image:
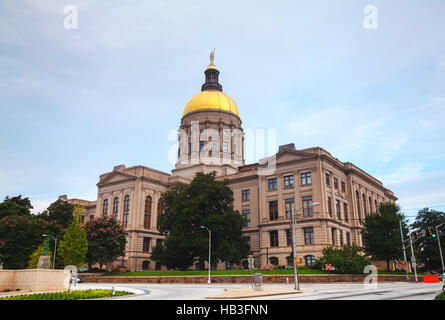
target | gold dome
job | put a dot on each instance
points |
(211, 99)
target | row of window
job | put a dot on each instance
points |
(335, 182)
(288, 181)
(338, 209)
(126, 213)
(337, 237)
(115, 211)
(365, 208)
(309, 260)
(308, 237)
(289, 205)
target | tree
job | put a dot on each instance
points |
(348, 259)
(35, 256)
(19, 238)
(10, 208)
(106, 241)
(74, 245)
(381, 233)
(205, 202)
(25, 202)
(427, 247)
(60, 212)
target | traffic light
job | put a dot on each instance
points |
(432, 232)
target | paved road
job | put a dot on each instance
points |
(340, 291)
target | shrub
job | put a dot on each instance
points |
(72, 295)
(440, 296)
(345, 260)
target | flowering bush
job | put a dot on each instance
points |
(106, 240)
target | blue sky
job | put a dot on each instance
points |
(75, 103)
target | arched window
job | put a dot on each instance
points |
(160, 211)
(147, 212)
(145, 265)
(105, 208)
(357, 198)
(364, 205)
(370, 205)
(309, 260)
(273, 260)
(116, 208)
(126, 210)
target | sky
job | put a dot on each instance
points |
(75, 102)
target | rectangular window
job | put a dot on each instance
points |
(345, 211)
(343, 186)
(290, 207)
(289, 237)
(328, 179)
(245, 195)
(334, 236)
(335, 183)
(288, 181)
(308, 235)
(330, 206)
(201, 146)
(307, 206)
(225, 147)
(146, 245)
(348, 238)
(213, 146)
(273, 210)
(246, 213)
(272, 184)
(306, 178)
(338, 209)
(273, 235)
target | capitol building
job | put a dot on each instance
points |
(211, 138)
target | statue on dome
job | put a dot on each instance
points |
(212, 57)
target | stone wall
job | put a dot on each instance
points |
(34, 280)
(307, 278)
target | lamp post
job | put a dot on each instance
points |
(210, 248)
(294, 245)
(55, 248)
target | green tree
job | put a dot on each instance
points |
(74, 245)
(60, 212)
(349, 259)
(427, 247)
(11, 208)
(381, 233)
(106, 241)
(35, 256)
(24, 202)
(19, 238)
(205, 202)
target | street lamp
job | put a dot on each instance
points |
(210, 248)
(55, 248)
(294, 245)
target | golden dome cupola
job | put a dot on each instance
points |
(211, 96)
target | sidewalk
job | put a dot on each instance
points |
(250, 293)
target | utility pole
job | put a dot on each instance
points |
(440, 250)
(413, 258)
(404, 251)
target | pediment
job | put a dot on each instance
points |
(116, 177)
(287, 156)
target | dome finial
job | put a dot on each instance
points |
(212, 57)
